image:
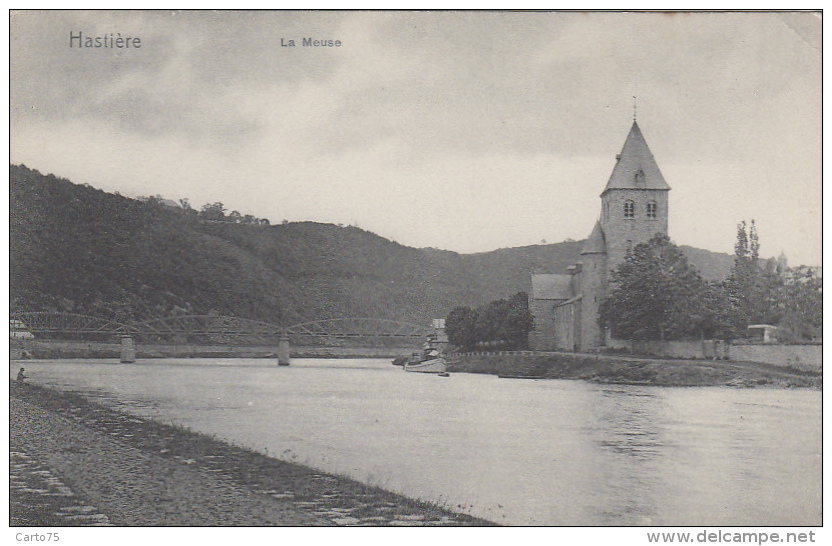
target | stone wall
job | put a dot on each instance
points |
(707, 349)
(594, 285)
(568, 326)
(802, 357)
(542, 338)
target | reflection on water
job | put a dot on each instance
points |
(514, 451)
(626, 428)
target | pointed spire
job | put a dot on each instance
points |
(596, 242)
(635, 167)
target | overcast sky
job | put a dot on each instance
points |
(463, 131)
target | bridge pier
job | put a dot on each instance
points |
(283, 352)
(128, 350)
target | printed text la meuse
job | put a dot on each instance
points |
(311, 42)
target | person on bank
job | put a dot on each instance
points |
(21, 376)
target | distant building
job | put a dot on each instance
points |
(804, 273)
(763, 332)
(633, 210)
(439, 334)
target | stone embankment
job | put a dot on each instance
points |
(74, 462)
(636, 371)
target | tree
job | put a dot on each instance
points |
(741, 246)
(518, 321)
(490, 327)
(187, 209)
(752, 292)
(503, 322)
(153, 200)
(657, 295)
(753, 243)
(213, 211)
(459, 326)
(801, 302)
(709, 312)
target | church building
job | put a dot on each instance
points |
(633, 210)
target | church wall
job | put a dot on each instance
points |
(594, 284)
(542, 338)
(568, 326)
(577, 277)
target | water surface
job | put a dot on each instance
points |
(523, 452)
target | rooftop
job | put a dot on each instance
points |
(635, 167)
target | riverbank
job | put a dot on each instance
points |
(76, 462)
(638, 371)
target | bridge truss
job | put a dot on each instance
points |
(218, 329)
(206, 329)
(42, 324)
(340, 332)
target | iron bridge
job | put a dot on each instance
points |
(215, 329)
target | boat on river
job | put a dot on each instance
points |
(431, 365)
(428, 360)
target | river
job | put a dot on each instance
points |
(520, 452)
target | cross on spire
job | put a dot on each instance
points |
(634, 107)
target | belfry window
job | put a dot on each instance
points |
(652, 210)
(629, 209)
(639, 178)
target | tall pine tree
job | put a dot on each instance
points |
(751, 290)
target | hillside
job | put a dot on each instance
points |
(78, 249)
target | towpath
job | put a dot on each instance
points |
(74, 462)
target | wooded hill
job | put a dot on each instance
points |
(79, 249)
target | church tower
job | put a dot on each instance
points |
(634, 202)
(633, 210)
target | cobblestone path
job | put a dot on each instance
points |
(37, 497)
(75, 462)
(118, 484)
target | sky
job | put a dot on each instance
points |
(465, 131)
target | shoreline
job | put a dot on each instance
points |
(598, 368)
(618, 370)
(95, 452)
